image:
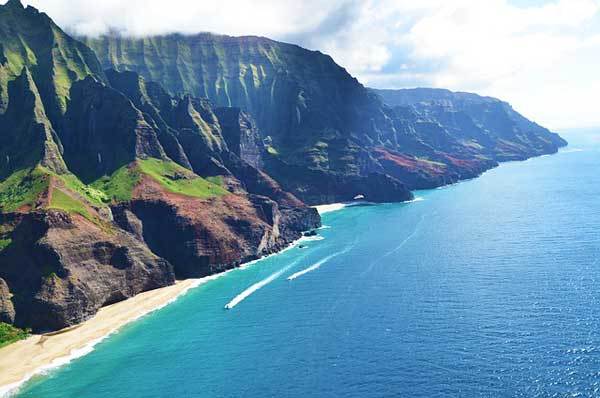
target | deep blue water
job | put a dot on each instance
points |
(490, 287)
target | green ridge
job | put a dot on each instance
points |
(90, 193)
(31, 39)
(119, 186)
(178, 179)
(62, 201)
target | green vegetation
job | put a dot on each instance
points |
(4, 243)
(93, 195)
(62, 201)
(5, 236)
(23, 188)
(178, 179)
(217, 180)
(25, 38)
(119, 186)
(9, 334)
(271, 150)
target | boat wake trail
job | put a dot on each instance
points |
(318, 264)
(311, 268)
(246, 293)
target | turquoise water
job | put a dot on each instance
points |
(490, 288)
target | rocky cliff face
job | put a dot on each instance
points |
(316, 119)
(60, 268)
(29, 38)
(109, 186)
(242, 135)
(490, 126)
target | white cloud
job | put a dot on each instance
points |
(137, 17)
(544, 59)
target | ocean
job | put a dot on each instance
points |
(486, 288)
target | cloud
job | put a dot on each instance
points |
(544, 58)
(142, 17)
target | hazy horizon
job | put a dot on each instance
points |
(540, 55)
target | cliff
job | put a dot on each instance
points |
(319, 121)
(501, 132)
(110, 186)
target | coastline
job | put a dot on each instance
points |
(37, 354)
(322, 209)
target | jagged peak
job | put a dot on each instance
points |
(15, 4)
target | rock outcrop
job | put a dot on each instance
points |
(7, 308)
(61, 268)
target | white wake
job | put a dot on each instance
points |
(307, 270)
(246, 293)
(317, 265)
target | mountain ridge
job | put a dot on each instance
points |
(324, 121)
(133, 162)
(92, 209)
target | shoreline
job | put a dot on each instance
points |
(322, 209)
(40, 353)
(22, 360)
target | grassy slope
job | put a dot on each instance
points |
(24, 188)
(10, 334)
(67, 203)
(180, 180)
(119, 186)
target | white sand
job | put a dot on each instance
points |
(22, 360)
(322, 209)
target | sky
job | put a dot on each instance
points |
(542, 56)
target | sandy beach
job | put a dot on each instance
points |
(322, 209)
(39, 353)
(24, 359)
